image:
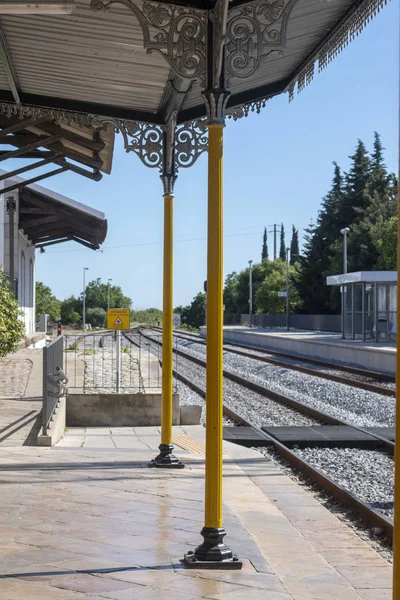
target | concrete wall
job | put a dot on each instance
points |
(57, 427)
(370, 357)
(117, 410)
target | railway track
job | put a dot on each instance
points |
(331, 376)
(321, 416)
(372, 517)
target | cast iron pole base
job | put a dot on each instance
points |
(212, 553)
(166, 460)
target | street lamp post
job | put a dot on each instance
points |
(108, 294)
(84, 299)
(344, 232)
(250, 294)
(287, 288)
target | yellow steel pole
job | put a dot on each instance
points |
(166, 421)
(212, 552)
(214, 383)
(396, 531)
(166, 457)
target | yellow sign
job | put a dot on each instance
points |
(118, 318)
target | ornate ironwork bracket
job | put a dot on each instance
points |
(178, 33)
(166, 147)
(250, 34)
(254, 32)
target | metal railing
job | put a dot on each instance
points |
(99, 363)
(54, 379)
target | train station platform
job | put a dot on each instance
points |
(380, 357)
(89, 519)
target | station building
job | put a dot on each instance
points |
(33, 217)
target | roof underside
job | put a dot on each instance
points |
(95, 62)
(47, 218)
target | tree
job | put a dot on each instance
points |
(294, 246)
(365, 200)
(97, 296)
(268, 301)
(384, 235)
(96, 317)
(46, 302)
(230, 294)
(282, 248)
(264, 251)
(12, 329)
(71, 311)
(194, 315)
(149, 316)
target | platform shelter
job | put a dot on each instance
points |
(369, 304)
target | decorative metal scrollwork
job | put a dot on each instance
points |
(186, 142)
(190, 142)
(145, 140)
(348, 30)
(245, 109)
(178, 33)
(255, 31)
(57, 116)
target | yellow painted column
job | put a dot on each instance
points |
(214, 383)
(167, 360)
(396, 532)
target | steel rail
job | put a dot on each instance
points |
(370, 387)
(370, 516)
(285, 400)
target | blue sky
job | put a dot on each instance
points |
(278, 166)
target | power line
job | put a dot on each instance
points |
(156, 243)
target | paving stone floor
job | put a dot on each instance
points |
(94, 521)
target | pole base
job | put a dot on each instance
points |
(166, 460)
(212, 553)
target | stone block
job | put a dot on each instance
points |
(118, 410)
(190, 414)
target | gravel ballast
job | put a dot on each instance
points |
(356, 406)
(251, 406)
(368, 474)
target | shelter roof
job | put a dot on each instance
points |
(140, 60)
(363, 277)
(48, 218)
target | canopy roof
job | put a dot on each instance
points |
(363, 277)
(48, 218)
(140, 60)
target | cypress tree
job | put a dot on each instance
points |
(294, 246)
(264, 251)
(282, 249)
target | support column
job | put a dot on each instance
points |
(213, 553)
(396, 520)
(166, 458)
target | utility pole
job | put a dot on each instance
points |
(250, 293)
(108, 294)
(275, 231)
